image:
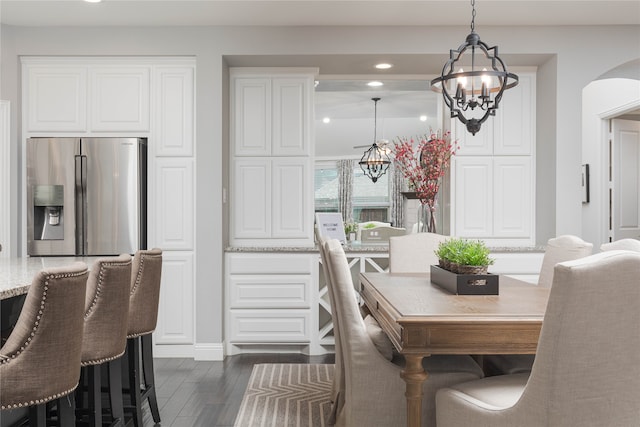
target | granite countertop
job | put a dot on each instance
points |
(351, 247)
(356, 247)
(16, 274)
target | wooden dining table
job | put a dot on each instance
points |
(422, 319)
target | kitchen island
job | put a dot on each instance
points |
(16, 274)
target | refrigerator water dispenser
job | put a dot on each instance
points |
(48, 212)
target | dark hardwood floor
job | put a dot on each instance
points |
(208, 394)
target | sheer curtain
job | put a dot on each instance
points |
(396, 187)
(345, 189)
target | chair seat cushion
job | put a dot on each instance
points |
(494, 393)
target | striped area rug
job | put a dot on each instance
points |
(281, 395)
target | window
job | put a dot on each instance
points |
(371, 201)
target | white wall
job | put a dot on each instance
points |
(569, 57)
(601, 99)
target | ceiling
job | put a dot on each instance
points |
(348, 103)
(317, 12)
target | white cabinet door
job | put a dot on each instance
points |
(292, 214)
(251, 199)
(480, 144)
(119, 98)
(56, 98)
(473, 196)
(514, 120)
(512, 206)
(173, 213)
(251, 122)
(291, 116)
(176, 308)
(175, 111)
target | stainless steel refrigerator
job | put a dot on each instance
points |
(86, 196)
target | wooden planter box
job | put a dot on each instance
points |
(465, 284)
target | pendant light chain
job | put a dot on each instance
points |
(375, 119)
(473, 15)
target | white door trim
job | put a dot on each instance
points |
(5, 178)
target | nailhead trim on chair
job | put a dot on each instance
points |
(100, 361)
(133, 290)
(8, 358)
(139, 276)
(98, 291)
(38, 401)
(139, 334)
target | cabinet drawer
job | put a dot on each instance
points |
(270, 263)
(269, 326)
(273, 291)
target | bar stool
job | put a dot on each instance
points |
(105, 334)
(40, 361)
(143, 315)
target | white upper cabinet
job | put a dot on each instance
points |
(252, 116)
(175, 116)
(56, 98)
(493, 173)
(511, 131)
(74, 96)
(119, 98)
(292, 116)
(271, 199)
(272, 115)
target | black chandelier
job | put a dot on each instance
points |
(375, 161)
(481, 87)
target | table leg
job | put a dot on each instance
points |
(414, 375)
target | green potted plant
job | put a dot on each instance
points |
(463, 256)
(350, 230)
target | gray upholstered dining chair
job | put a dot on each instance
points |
(105, 334)
(338, 386)
(40, 361)
(374, 392)
(559, 249)
(413, 253)
(625, 244)
(144, 298)
(588, 359)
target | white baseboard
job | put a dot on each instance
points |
(209, 351)
(212, 351)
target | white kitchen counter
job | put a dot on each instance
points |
(16, 274)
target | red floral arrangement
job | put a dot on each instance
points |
(424, 163)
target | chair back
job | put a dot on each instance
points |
(373, 388)
(106, 310)
(413, 253)
(338, 387)
(588, 358)
(40, 360)
(560, 249)
(146, 273)
(624, 244)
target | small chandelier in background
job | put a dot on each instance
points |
(375, 161)
(480, 87)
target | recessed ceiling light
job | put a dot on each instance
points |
(326, 120)
(423, 118)
(375, 84)
(93, 1)
(384, 66)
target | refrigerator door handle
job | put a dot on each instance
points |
(81, 203)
